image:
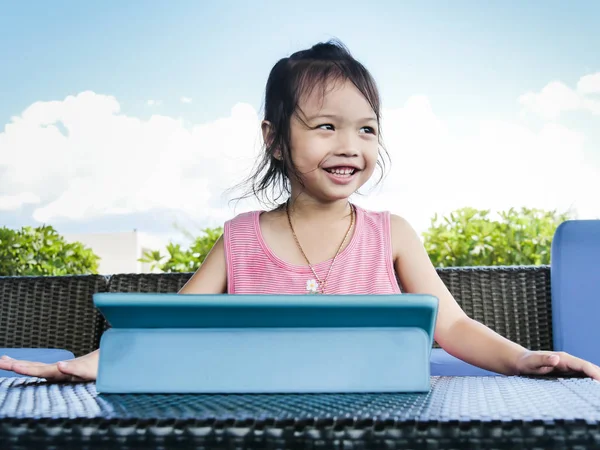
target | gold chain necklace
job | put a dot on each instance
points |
(321, 284)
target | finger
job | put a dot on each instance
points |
(575, 364)
(79, 370)
(74, 379)
(8, 359)
(8, 363)
(545, 361)
(48, 371)
(592, 371)
(543, 370)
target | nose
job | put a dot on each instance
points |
(348, 144)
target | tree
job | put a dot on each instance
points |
(470, 237)
(179, 260)
(42, 251)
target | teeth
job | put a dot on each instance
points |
(341, 171)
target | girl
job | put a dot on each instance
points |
(322, 143)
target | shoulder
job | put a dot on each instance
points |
(242, 219)
(397, 223)
(373, 218)
(400, 224)
(404, 236)
(240, 228)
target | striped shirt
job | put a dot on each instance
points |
(365, 266)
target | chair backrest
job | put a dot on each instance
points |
(575, 284)
(51, 312)
(58, 312)
(514, 301)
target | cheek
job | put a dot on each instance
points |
(372, 153)
(307, 153)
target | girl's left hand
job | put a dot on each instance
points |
(558, 363)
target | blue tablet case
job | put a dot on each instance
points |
(188, 343)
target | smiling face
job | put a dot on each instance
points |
(334, 143)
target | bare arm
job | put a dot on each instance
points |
(456, 333)
(211, 276)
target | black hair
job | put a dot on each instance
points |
(290, 80)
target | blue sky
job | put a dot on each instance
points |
(463, 66)
(468, 55)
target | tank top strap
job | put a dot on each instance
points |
(242, 248)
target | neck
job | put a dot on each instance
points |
(312, 210)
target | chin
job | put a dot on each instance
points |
(327, 191)
(337, 194)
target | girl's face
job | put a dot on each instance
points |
(335, 150)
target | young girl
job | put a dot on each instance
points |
(322, 143)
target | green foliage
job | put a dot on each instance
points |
(469, 237)
(180, 260)
(42, 251)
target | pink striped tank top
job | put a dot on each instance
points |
(365, 266)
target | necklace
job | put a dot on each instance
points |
(319, 285)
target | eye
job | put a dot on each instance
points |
(369, 130)
(326, 126)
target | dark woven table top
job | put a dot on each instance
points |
(486, 412)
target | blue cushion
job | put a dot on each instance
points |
(44, 355)
(575, 285)
(444, 364)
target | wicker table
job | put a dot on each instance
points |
(486, 412)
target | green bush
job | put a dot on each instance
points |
(42, 251)
(467, 237)
(470, 237)
(180, 260)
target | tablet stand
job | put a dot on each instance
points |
(317, 359)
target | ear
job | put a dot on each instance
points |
(267, 132)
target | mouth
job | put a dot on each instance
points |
(342, 170)
(341, 174)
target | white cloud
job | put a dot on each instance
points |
(556, 98)
(153, 103)
(589, 84)
(498, 166)
(110, 163)
(14, 202)
(186, 100)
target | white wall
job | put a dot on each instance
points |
(118, 252)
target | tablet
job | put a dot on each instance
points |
(155, 310)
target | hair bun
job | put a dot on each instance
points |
(331, 50)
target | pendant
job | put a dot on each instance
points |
(312, 287)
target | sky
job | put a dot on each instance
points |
(141, 114)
